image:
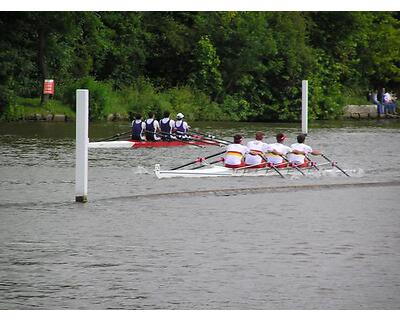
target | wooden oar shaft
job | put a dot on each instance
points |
(335, 165)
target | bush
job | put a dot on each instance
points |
(8, 109)
(13, 113)
(100, 96)
(142, 98)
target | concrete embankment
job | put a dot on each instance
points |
(360, 111)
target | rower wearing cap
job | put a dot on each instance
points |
(181, 127)
(257, 150)
(300, 151)
(275, 158)
(152, 128)
(235, 153)
(138, 127)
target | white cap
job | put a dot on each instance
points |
(180, 115)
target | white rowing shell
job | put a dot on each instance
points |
(210, 171)
(111, 144)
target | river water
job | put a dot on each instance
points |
(324, 241)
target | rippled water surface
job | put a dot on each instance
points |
(323, 241)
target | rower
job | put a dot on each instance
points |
(167, 126)
(138, 128)
(257, 148)
(152, 127)
(235, 153)
(181, 127)
(275, 157)
(299, 152)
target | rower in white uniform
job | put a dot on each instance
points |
(300, 150)
(235, 153)
(275, 158)
(257, 150)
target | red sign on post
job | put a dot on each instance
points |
(48, 86)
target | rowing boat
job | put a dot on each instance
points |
(150, 144)
(215, 171)
(221, 171)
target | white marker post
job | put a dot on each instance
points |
(82, 142)
(304, 106)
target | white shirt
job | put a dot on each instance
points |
(299, 158)
(281, 148)
(235, 153)
(258, 146)
(387, 97)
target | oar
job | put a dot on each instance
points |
(191, 138)
(203, 165)
(204, 140)
(196, 137)
(312, 163)
(212, 137)
(272, 166)
(193, 162)
(334, 164)
(286, 159)
(167, 134)
(115, 136)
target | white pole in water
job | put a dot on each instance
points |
(82, 142)
(304, 106)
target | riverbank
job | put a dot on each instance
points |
(30, 109)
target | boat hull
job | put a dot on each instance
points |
(211, 171)
(149, 144)
(220, 171)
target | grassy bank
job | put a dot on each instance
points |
(31, 109)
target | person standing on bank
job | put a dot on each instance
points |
(167, 126)
(299, 152)
(152, 128)
(138, 128)
(181, 127)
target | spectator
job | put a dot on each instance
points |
(379, 105)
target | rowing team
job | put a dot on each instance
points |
(153, 130)
(258, 154)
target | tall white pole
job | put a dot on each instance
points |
(304, 106)
(82, 142)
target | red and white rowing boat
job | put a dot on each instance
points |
(151, 144)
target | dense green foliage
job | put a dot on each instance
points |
(208, 65)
